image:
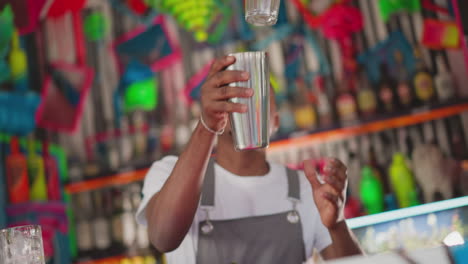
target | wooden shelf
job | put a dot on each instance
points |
(117, 179)
(370, 127)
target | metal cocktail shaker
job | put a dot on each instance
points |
(250, 130)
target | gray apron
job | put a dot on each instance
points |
(266, 239)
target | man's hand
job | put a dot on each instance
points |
(215, 93)
(329, 196)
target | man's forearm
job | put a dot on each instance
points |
(344, 242)
(170, 213)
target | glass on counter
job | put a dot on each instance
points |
(22, 244)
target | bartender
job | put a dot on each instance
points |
(237, 207)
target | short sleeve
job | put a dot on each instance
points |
(322, 237)
(154, 181)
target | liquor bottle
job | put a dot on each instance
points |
(183, 133)
(287, 120)
(428, 133)
(112, 152)
(402, 182)
(3, 185)
(423, 83)
(457, 142)
(140, 136)
(151, 260)
(366, 98)
(167, 137)
(324, 108)
(128, 221)
(386, 89)
(443, 137)
(54, 192)
(404, 91)
(125, 142)
(83, 209)
(464, 125)
(153, 140)
(354, 167)
(276, 60)
(107, 202)
(377, 164)
(416, 137)
(304, 114)
(444, 81)
(195, 110)
(371, 191)
(142, 240)
(346, 105)
(101, 226)
(117, 212)
(17, 174)
(36, 173)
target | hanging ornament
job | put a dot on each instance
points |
(196, 16)
(6, 34)
(6, 30)
(338, 23)
(440, 34)
(137, 90)
(95, 26)
(60, 7)
(390, 7)
(138, 6)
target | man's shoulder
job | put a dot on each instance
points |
(164, 165)
(169, 160)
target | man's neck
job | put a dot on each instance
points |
(241, 163)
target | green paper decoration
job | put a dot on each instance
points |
(6, 29)
(389, 7)
(6, 34)
(141, 95)
(95, 26)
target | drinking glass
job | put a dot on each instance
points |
(261, 12)
(22, 244)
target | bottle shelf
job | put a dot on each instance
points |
(413, 118)
(416, 117)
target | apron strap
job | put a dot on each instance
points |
(294, 188)
(208, 189)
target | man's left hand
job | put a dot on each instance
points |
(329, 196)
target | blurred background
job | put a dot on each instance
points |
(93, 91)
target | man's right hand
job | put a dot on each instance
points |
(215, 93)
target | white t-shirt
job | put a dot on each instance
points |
(239, 197)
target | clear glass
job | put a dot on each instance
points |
(261, 12)
(22, 244)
